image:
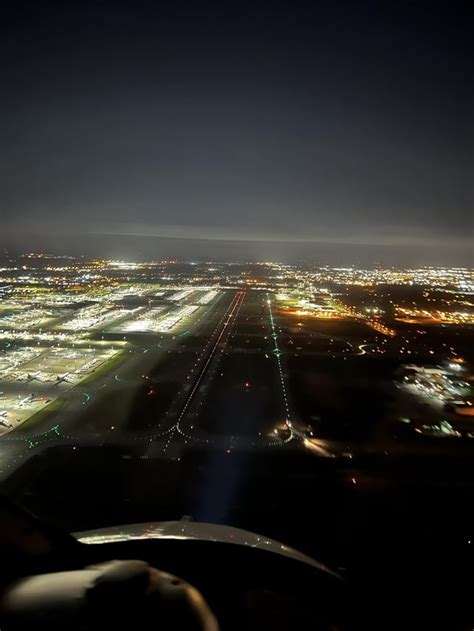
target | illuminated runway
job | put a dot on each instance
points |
(220, 383)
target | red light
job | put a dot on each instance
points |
(247, 384)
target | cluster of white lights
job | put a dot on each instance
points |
(175, 317)
(207, 297)
(181, 295)
(93, 316)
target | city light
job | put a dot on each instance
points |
(65, 320)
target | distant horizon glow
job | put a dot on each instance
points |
(340, 130)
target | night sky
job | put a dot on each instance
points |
(330, 130)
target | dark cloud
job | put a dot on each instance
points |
(349, 123)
